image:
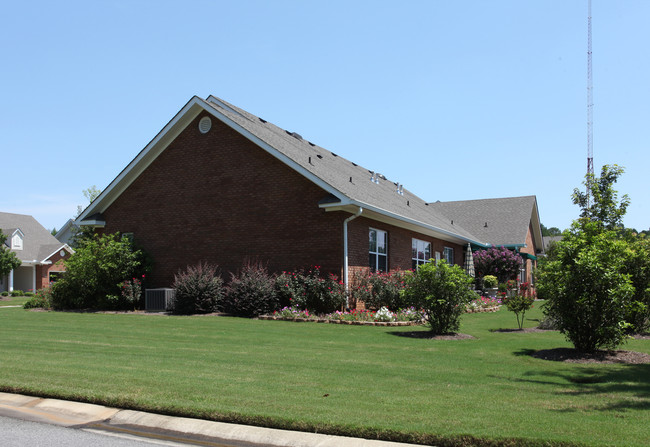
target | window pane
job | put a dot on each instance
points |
(373, 240)
(381, 241)
(427, 251)
(372, 262)
(414, 248)
(414, 264)
(382, 263)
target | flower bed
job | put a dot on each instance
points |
(484, 304)
(382, 317)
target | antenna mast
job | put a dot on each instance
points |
(590, 109)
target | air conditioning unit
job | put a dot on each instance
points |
(158, 299)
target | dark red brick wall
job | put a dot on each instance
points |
(43, 271)
(399, 244)
(219, 198)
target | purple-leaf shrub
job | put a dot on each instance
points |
(500, 262)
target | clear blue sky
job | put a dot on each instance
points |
(455, 99)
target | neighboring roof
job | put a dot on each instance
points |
(67, 231)
(38, 243)
(548, 240)
(497, 221)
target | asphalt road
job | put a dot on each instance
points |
(20, 433)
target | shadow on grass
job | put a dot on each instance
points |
(620, 387)
(428, 335)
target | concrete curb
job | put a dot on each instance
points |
(66, 413)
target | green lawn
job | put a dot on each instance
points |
(13, 300)
(331, 378)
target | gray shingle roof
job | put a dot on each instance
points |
(38, 243)
(507, 219)
(348, 178)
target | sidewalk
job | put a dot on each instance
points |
(80, 415)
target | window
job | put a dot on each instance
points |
(448, 254)
(17, 241)
(421, 252)
(378, 251)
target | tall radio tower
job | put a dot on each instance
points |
(590, 108)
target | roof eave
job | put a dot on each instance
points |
(397, 220)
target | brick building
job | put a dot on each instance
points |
(41, 255)
(221, 185)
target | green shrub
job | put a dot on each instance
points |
(96, 270)
(5, 294)
(588, 292)
(381, 289)
(17, 293)
(490, 281)
(519, 304)
(442, 292)
(307, 289)
(41, 299)
(198, 290)
(29, 294)
(637, 265)
(251, 292)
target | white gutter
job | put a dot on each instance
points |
(345, 254)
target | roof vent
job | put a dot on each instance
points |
(400, 189)
(334, 154)
(296, 135)
(205, 124)
(311, 144)
(319, 156)
(264, 121)
(485, 226)
(374, 177)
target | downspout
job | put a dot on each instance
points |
(345, 255)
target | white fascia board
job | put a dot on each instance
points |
(146, 156)
(397, 220)
(17, 230)
(270, 149)
(537, 227)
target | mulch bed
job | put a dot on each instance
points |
(569, 355)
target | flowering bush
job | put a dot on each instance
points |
(500, 262)
(292, 312)
(380, 289)
(308, 289)
(483, 302)
(132, 291)
(41, 299)
(384, 314)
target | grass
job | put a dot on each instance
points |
(353, 380)
(13, 300)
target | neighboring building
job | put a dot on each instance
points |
(511, 222)
(218, 184)
(67, 232)
(40, 253)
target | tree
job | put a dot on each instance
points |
(587, 288)
(605, 207)
(91, 194)
(553, 231)
(597, 280)
(8, 259)
(95, 271)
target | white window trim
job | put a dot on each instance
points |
(417, 260)
(444, 254)
(376, 253)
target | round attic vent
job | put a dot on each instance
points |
(205, 124)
